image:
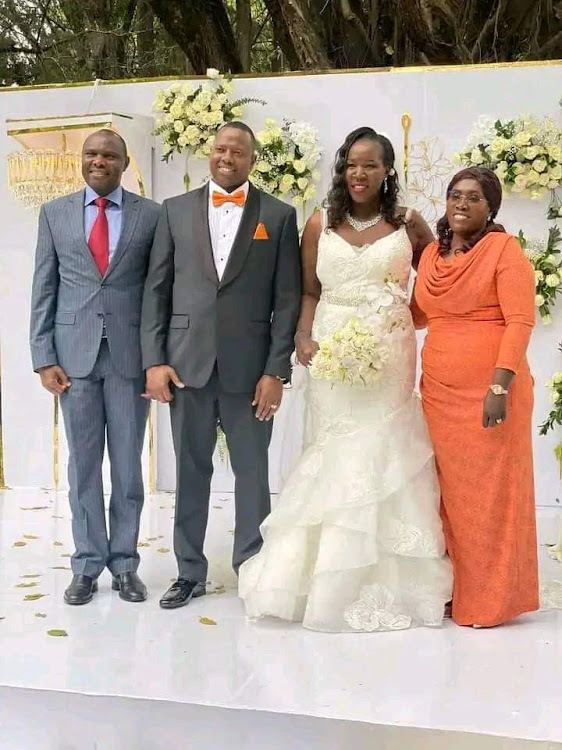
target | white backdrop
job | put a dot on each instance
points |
(443, 105)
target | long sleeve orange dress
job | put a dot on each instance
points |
(480, 313)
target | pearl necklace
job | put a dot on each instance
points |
(361, 226)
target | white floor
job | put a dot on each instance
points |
(159, 675)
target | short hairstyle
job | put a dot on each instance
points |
(238, 125)
(108, 131)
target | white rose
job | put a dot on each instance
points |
(521, 181)
(518, 168)
(476, 157)
(544, 179)
(552, 280)
(286, 183)
(213, 73)
(532, 177)
(531, 152)
(539, 165)
(555, 152)
(309, 193)
(262, 166)
(539, 276)
(539, 300)
(546, 319)
(521, 139)
(557, 378)
(302, 183)
(555, 397)
(555, 173)
(299, 166)
(204, 99)
(179, 127)
(176, 110)
(237, 111)
(551, 259)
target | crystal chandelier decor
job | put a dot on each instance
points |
(37, 176)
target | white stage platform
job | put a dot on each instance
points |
(134, 677)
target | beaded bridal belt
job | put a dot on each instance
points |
(351, 300)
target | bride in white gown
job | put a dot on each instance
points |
(355, 542)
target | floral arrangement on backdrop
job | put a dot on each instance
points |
(525, 153)
(547, 263)
(287, 160)
(189, 116)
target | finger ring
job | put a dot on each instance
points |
(274, 406)
(499, 421)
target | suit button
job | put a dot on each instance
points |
(100, 315)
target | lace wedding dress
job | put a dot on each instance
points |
(354, 542)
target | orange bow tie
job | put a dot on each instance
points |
(238, 198)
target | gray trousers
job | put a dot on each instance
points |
(105, 403)
(194, 414)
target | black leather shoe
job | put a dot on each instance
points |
(181, 593)
(129, 586)
(81, 590)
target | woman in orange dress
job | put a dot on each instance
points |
(475, 291)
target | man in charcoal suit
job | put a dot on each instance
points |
(220, 306)
(90, 266)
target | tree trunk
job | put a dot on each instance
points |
(202, 29)
(281, 37)
(244, 32)
(304, 33)
(145, 38)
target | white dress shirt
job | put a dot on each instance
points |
(223, 225)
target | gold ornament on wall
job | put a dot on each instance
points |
(38, 176)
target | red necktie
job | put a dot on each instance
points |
(238, 198)
(99, 237)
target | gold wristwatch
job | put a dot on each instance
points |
(498, 390)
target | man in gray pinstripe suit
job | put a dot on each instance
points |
(90, 266)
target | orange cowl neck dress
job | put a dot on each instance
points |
(479, 309)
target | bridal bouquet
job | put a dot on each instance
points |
(355, 354)
(287, 161)
(525, 153)
(547, 263)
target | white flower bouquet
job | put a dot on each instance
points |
(190, 116)
(547, 263)
(355, 354)
(286, 164)
(525, 153)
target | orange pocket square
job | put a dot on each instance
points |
(261, 232)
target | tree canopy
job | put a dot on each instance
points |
(43, 41)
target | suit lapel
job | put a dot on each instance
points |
(201, 234)
(76, 208)
(129, 218)
(244, 236)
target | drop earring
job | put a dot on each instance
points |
(385, 186)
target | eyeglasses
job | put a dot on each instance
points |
(472, 198)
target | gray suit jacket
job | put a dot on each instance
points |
(71, 301)
(246, 321)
